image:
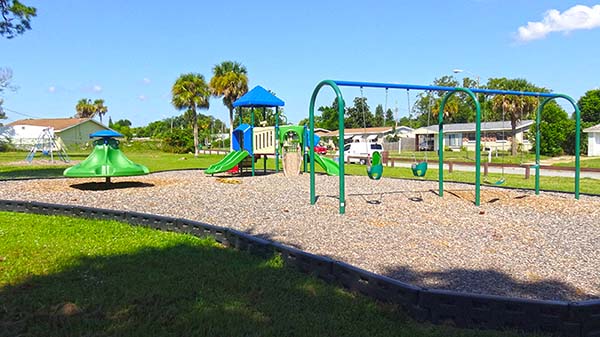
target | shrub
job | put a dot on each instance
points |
(178, 141)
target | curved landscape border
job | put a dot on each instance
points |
(463, 310)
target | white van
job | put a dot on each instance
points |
(359, 152)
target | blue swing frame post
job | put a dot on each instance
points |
(335, 85)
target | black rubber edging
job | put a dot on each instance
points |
(474, 311)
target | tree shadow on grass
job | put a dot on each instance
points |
(192, 289)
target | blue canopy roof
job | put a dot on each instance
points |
(258, 97)
(105, 134)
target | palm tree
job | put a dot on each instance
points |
(84, 108)
(512, 106)
(99, 108)
(190, 92)
(230, 80)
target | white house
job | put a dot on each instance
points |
(593, 140)
(68, 131)
(494, 135)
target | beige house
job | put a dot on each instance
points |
(494, 135)
(68, 131)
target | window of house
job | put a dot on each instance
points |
(454, 139)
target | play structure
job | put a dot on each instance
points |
(250, 143)
(48, 146)
(106, 160)
(419, 168)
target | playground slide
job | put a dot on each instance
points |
(106, 161)
(227, 163)
(329, 165)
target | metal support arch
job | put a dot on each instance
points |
(538, 120)
(477, 142)
(311, 142)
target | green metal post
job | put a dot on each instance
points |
(538, 120)
(477, 142)
(276, 139)
(252, 138)
(340, 101)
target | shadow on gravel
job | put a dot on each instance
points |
(490, 282)
(104, 186)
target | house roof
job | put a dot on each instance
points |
(595, 128)
(470, 127)
(59, 124)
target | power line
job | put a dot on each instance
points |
(20, 113)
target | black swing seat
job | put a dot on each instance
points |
(419, 169)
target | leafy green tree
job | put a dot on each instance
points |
(389, 118)
(512, 107)
(230, 80)
(554, 127)
(359, 115)
(261, 116)
(177, 141)
(15, 18)
(190, 92)
(589, 106)
(378, 119)
(458, 108)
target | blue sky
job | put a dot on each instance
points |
(130, 52)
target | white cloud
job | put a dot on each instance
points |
(97, 88)
(146, 80)
(142, 97)
(574, 18)
(51, 89)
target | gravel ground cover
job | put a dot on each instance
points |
(515, 244)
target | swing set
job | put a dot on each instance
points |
(449, 91)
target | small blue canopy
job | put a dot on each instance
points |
(106, 134)
(258, 97)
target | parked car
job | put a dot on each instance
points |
(359, 152)
(320, 149)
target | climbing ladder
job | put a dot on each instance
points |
(47, 145)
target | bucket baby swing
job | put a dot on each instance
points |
(374, 162)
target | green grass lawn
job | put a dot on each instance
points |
(591, 162)
(62, 276)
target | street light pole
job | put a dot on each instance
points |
(458, 71)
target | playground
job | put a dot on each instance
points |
(476, 238)
(515, 243)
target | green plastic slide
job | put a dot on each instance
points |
(227, 163)
(106, 160)
(329, 165)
